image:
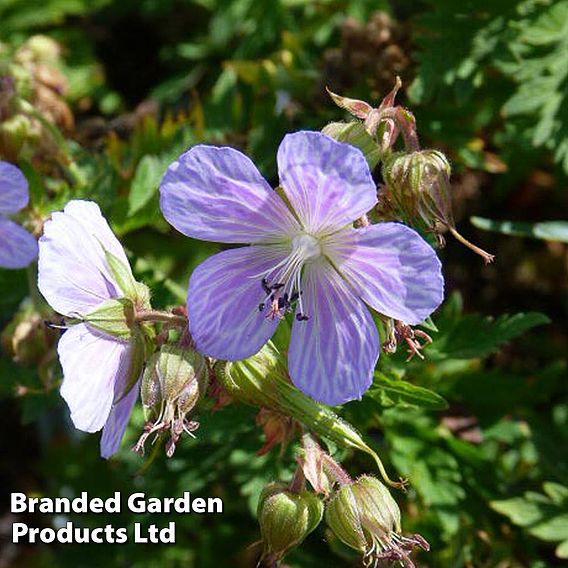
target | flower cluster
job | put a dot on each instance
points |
(301, 253)
(307, 253)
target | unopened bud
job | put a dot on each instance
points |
(286, 518)
(419, 186)
(365, 517)
(174, 381)
(419, 183)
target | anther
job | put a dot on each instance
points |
(261, 306)
(302, 317)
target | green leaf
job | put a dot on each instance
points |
(547, 230)
(403, 392)
(474, 336)
(562, 550)
(543, 517)
(144, 183)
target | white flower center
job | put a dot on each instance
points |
(282, 283)
(306, 247)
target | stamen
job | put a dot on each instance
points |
(282, 283)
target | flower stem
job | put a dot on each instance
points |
(158, 316)
(487, 258)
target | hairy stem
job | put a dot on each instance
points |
(158, 316)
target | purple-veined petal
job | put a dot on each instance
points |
(333, 354)
(92, 362)
(217, 194)
(73, 273)
(392, 268)
(14, 193)
(117, 421)
(17, 247)
(328, 183)
(223, 302)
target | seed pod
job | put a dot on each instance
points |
(174, 381)
(419, 185)
(365, 517)
(286, 518)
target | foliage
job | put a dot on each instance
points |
(524, 41)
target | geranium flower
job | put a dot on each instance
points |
(303, 255)
(76, 280)
(17, 247)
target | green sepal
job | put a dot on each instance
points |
(114, 317)
(138, 292)
(354, 133)
(122, 274)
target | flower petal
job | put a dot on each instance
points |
(223, 302)
(392, 268)
(17, 247)
(73, 273)
(88, 213)
(333, 354)
(117, 421)
(92, 363)
(328, 183)
(217, 194)
(14, 193)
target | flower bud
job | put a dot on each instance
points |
(419, 186)
(365, 517)
(174, 380)
(419, 183)
(286, 518)
(262, 380)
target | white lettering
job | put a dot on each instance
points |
(136, 503)
(18, 530)
(18, 503)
